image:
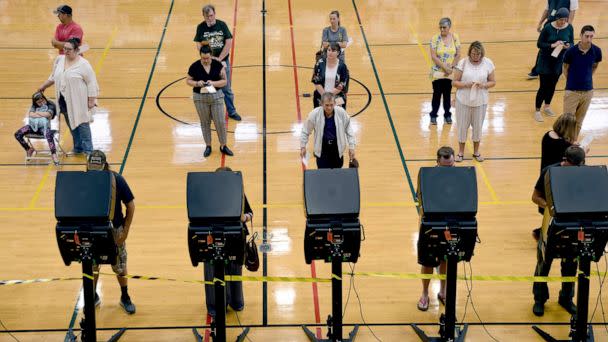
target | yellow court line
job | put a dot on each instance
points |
(97, 69)
(277, 205)
(483, 174)
(422, 50)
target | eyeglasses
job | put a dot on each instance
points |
(444, 27)
(68, 49)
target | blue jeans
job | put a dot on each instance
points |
(228, 94)
(83, 142)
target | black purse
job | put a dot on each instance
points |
(252, 259)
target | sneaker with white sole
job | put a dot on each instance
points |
(549, 112)
(538, 116)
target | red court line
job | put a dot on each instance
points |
(313, 271)
(236, 5)
(223, 158)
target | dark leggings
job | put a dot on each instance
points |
(441, 87)
(27, 129)
(546, 89)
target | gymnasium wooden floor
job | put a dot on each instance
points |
(135, 58)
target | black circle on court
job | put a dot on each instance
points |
(158, 97)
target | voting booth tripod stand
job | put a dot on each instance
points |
(580, 330)
(577, 202)
(216, 234)
(84, 208)
(89, 330)
(218, 325)
(447, 322)
(333, 234)
(334, 321)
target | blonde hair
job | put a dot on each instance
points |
(477, 46)
(565, 127)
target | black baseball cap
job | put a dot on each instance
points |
(65, 9)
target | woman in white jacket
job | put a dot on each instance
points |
(333, 133)
(76, 91)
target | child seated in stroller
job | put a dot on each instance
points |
(40, 115)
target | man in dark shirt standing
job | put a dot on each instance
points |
(574, 156)
(121, 225)
(580, 63)
(218, 35)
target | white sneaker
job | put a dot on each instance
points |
(549, 112)
(538, 116)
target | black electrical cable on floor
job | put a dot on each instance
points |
(360, 305)
(470, 290)
(8, 332)
(241, 326)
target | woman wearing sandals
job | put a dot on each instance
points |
(473, 77)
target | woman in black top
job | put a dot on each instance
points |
(206, 77)
(555, 142)
(554, 35)
(331, 75)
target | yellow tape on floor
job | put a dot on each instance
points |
(394, 275)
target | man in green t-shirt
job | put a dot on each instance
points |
(216, 33)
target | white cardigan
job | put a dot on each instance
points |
(76, 84)
(316, 122)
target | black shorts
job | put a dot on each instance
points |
(427, 260)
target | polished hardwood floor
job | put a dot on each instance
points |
(388, 59)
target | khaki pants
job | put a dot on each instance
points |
(577, 102)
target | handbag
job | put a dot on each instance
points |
(252, 259)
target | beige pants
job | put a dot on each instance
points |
(469, 117)
(577, 102)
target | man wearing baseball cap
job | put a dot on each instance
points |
(67, 29)
(121, 224)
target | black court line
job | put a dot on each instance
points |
(505, 91)
(485, 42)
(264, 173)
(141, 106)
(413, 160)
(386, 108)
(298, 325)
(368, 93)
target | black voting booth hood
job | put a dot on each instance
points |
(331, 200)
(215, 204)
(577, 197)
(84, 208)
(447, 197)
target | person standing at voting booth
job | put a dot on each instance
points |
(574, 156)
(445, 158)
(207, 77)
(234, 289)
(332, 131)
(121, 226)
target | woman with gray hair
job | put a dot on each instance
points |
(445, 52)
(473, 77)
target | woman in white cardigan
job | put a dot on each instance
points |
(333, 133)
(76, 91)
